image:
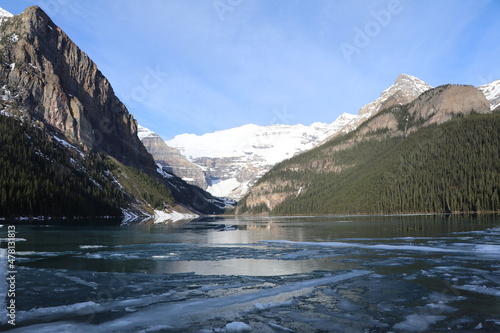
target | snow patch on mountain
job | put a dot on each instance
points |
(4, 15)
(235, 159)
(492, 93)
(407, 86)
(143, 132)
(265, 145)
(221, 188)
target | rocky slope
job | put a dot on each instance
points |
(47, 80)
(234, 159)
(435, 106)
(171, 160)
(46, 74)
(404, 90)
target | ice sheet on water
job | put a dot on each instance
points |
(43, 253)
(161, 310)
(12, 239)
(156, 328)
(91, 246)
(77, 280)
(280, 328)
(418, 323)
(479, 289)
(440, 308)
(89, 308)
(388, 247)
(488, 249)
(444, 298)
(271, 305)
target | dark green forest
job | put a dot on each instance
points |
(40, 177)
(452, 167)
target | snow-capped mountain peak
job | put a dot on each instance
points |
(492, 93)
(404, 90)
(266, 145)
(235, 158)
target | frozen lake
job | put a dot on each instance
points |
(294, 274)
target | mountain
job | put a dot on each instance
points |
(404, 90)
(438, 153)
(48, 82)
(234, 159)
(170, 159)
(56, 83)
(492, 93)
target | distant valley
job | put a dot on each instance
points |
(71, 148)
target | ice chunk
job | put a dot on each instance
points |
(438, 308)
(238, 326)
(488, 248)
(164, 217)
(91, 246)
(479, 289)
(368, 246)
(267, 306)
(279, 328)
(418, 323)
(156, 328)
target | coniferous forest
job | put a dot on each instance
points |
(39, 177)
(452, 167)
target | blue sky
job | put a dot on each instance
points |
(204, 65)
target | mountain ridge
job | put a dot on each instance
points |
(306, 175)
(235, 158)
(231, 172)
(48, 81)
(223, 179)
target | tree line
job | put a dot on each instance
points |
(452, 167)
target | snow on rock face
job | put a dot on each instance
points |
(4, 15)
(170, 159)
(143, 132)
(235, 158)
(223, 187)
(271, 143)
(404, 90)
(492, 93)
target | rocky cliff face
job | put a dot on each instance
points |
(435, 106)
(46, 79)
(443, 103)
(171, 159)
(56, 83)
